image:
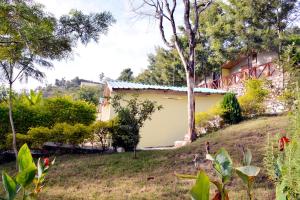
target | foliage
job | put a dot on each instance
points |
(248, 173)
(29, 174)
(131, 116)
(30, 37)
(33, 98)
(21, 140)
(38, 136)
(61, 133)
(90, 94)
(223, 166)
(290, 60)
(51, 111)
(231, 107)
(101, 132)
(282, 158)
(210, 120)
(252, 102)
(126, 75)
(64, 109)
(200, 191)
(165, 68)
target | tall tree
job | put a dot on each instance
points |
(126, 75)
(165, 68)
(164, 10)
(31, 37)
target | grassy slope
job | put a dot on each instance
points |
(119, 176)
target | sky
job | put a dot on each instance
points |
(127, 43)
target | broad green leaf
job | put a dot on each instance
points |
(247, 158)
(200, 191)
(223, 164)
(247, 173)
(26, 176)
(280, 195)
(9, 186)
(25, 159)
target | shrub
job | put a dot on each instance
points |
(76, 134)
(21, 139)
(252, 102)
(209, 121)
(39, 136)
(125, 132)
(69, 134)
(101, 131)
(63, 109)
(46, 114)
(131, 116)
(231, 109)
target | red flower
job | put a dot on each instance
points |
(282, 142)
(46, 161)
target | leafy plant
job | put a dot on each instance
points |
(131, 116)
(29, 174)
(282, 159)
(211, 120)
(248, 173)
(223, 166)
(101, 131)
(200, 191)
(252, 102)
(231, 109)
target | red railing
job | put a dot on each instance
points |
(264, 70)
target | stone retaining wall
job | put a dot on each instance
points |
(273, 104)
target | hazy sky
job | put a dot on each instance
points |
(127, 43)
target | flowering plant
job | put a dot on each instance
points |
(29, 174)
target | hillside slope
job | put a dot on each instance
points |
(151, 175)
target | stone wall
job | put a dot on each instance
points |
(275, 86)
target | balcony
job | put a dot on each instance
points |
(264, 70)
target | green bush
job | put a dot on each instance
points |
(231, 109)
(125, 132)
(61, 133)
(39, 136)
(209, 121)
(21, 139)
(69, 134)
(76, 134)
(46, 114)
(252, 102)
(131, 116)
(63, 109)
(101, 131)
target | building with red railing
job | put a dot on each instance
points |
(234, 72)
(257, 65)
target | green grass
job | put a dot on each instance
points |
(119, 176)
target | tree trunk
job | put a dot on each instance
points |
(191, 105)
(14, 143)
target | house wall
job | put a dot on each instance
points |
(262, 58)
(266, 57)
(170, 123)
